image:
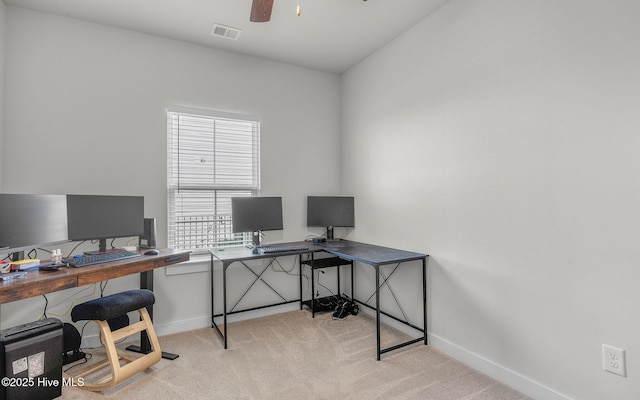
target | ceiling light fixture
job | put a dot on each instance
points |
(298, 11)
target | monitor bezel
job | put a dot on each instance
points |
(91, 209)
(53, 232)
(256, 208)
(329, 218)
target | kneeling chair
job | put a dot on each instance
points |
(110, 313)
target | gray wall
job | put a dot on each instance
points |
(102, 93)
(501, 137)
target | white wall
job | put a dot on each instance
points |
(101, 93)
(497, 136)
(501, 137)
(2, 35)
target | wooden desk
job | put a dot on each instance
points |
(37, 283)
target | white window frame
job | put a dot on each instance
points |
(206, 166)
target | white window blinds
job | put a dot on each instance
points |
(212, 157)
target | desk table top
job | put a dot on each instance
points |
(346, 249)
(230, 255)
(371, 254)
(36, 283)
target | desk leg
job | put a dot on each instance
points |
(300, 275)
(424, 297)
(353, 293)
(213, 307)
(146, 282)
(313, 291)
(377, 313)
(223, 336)
(224, 303)
(339, 289)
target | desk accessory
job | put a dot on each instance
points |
(24, 265)
(12, 275)
(5, 267)
(148, 239)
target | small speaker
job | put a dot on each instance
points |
(148, 240)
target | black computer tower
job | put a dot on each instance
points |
(31, 361)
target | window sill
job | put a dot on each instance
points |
(197, 263)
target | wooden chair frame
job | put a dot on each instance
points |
(119, 373)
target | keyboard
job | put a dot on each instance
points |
(100, 258)
(277, 248)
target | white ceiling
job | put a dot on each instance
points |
(330, 35)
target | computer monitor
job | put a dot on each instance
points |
(256, 214)
(98, 217)
(330, 211)
(31, 220)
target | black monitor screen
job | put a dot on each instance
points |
(250, 214)
(330, 211)
(94, 217)
(30, 220)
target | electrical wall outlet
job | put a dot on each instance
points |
(613, 360)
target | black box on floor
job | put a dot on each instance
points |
(328, 303)
(31, 361)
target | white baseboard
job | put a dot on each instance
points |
(92, 341)
(497, 372)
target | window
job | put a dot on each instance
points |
(212, 157)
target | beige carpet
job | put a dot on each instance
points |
(292, 356)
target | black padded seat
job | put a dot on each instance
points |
(110, 313)
(113, 306)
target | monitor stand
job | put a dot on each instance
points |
(102, 248)
(329, 232)
(256, 240)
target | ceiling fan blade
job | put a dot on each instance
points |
(261, 10)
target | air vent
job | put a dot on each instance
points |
(226, 32)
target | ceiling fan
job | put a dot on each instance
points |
(261, 10)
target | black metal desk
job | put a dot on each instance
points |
(376, 256)
(231, 255)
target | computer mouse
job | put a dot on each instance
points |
(152, 252)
